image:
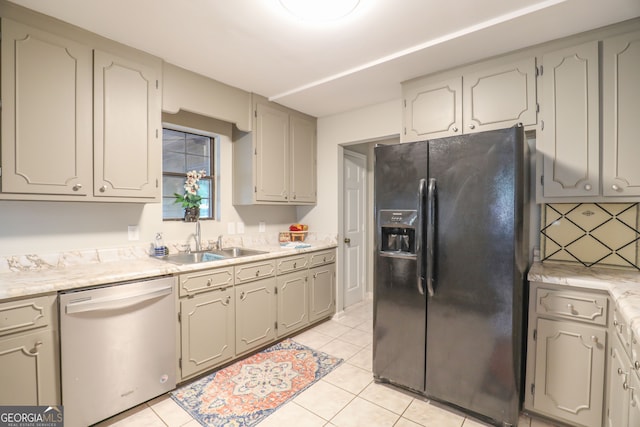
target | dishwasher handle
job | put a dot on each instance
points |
(116, 301)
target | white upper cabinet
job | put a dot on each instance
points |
(79, 122)
(500, 97)
(46, 113)
(486, 96)
(578, 159)
(620, 114)
(302, 181)
(569, 137)
(126, 127)
(276, 163)
(272, 154)
(432, 109)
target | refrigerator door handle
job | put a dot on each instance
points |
(419, 233)
(431, 233)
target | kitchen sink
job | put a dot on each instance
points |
(236, 252)
(210, 255)
(192, 257)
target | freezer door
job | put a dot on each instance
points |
(474, 317)
(399, 323)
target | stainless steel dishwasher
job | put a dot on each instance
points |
(118, 347)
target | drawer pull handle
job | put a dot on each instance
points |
(228, 300)
(621, 372)
(295, 264)
(34, 350)
(615, 322)
(242, 296)
(636, 365)
(209, 282)
(570, 308)
(324, 259)
(257, 273)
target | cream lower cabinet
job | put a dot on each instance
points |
(322, 285)
(29, 352)
(617, 414)
(292, 293)
(255, 295)
(206, 320)
(207, 330)
(566, 355)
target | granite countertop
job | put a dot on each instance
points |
(28, 275)
(623, 285)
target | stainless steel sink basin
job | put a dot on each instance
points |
(206, 256)
(192, 257)
(236, 252)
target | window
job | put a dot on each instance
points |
(183, 152)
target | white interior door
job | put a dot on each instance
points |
(354, 178)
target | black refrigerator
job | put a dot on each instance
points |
(451, 257)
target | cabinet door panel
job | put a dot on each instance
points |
(272, 154)
(292, 302)
(621, 110)
(29, 363)
(500, 97)
(570, 368)
(569, 140)
(255, 314)
(432, 109)
(303, 159)
(208, 331)
(126, 128)
(46, 113)
(618, 404)
(321, 292)
(634, 408)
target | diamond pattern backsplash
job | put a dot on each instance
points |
(605, 234)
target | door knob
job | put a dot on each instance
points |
(347, 240)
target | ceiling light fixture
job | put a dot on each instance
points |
(319, 10)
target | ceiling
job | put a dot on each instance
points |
(326, 69)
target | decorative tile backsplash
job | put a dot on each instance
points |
(606, 234)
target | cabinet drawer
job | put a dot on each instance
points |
(257, 270)
(26, 314)
(622, 330)
(583, 306)
(322, 257)
(292, 263)
(200, 281)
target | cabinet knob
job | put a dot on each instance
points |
(103, 188)
(614, 187)
(294, 197)
(77, 187)
(455, 129)
(636, 365)
(570, 308)
(34, 350)
(295, 264)
(594, 339)
(228, 300)
(587, 187)
(242, 295)
(621, 372)
(209, 282)
(472, 126)
(257, 273)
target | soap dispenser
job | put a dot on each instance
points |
(160, 249)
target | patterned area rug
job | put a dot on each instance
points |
(243, 394)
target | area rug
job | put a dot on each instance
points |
(243, 394)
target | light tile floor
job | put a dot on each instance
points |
(347, 397)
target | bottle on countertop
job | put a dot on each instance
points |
(159, 248)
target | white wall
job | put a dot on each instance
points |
(366, 124)
(46, 227)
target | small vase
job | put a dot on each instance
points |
(191, 214)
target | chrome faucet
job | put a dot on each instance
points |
(219, 242)
(197, 236)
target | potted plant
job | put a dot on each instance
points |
(191, 200)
